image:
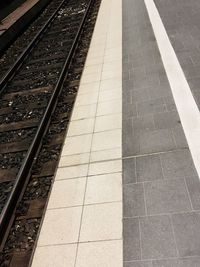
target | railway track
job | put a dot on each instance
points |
(9, 56)
(36, 102)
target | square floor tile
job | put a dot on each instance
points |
(156, 141)
(157, 240)
(72, 172)
(131, 239)
(187, 234)
(88, 87)
(104, 188)
(106, 140)
(166, 263)
(89, 78)
(80, 127)
(167, 196)
(178, 164)
(105, 167)
(193, 185)
(110, 154)
(60, 226)
(133, 200)
(101, 222)
(110, 95)
(139, 264)
(71, 160)
(148, 168)
(67, 193)
(108, 122)
(109, 107)
(111, 73)
(86, 99)
(84, 112)
(95, 68)
(77, 144)
(52, 256)
(129, 171)
(144, 123)
(189, 262)
(110, 84)
(104, 254)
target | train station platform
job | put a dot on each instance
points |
(127, 189)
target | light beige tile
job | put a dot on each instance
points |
(79, 127)
(95, 68)
(109, 107)
(86, 99)
(110, 84)
(71, 172)
(71, 160)
(94, 61)
(105, 167)
(112, 57)
(113, 51)
(67, 193)
(115, 66)
(104, 188)
(106, 140)
(52, 256)
(77, 144)
(60, 226)
(92, 77)
(106, 154)
(83, 112)
(100, 254)
(108, 74)
(101, 222)
(110, 95)
(88, 88)
(108, 122)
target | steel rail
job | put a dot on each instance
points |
(24, 172)
(9, 74)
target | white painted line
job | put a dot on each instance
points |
(185, 103)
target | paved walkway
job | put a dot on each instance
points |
(127, 190)
(160, 184)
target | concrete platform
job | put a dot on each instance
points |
(127, 190)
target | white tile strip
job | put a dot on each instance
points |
(185, 103)
(82, 226)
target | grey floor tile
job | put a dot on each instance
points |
(151, 106)
(140, 95)
(166, 263)
(166, 196)
(187, 233)
(129, 110)
(190, 262)
(133, 200)
(143, 123)
(131, 240)
(130, 142)
(156, 141)
(179, 137)
(193, 184)
(157, 239)
(138, 264)
(178, 164)
(129, 171)
(166, 120)
(148, 168)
